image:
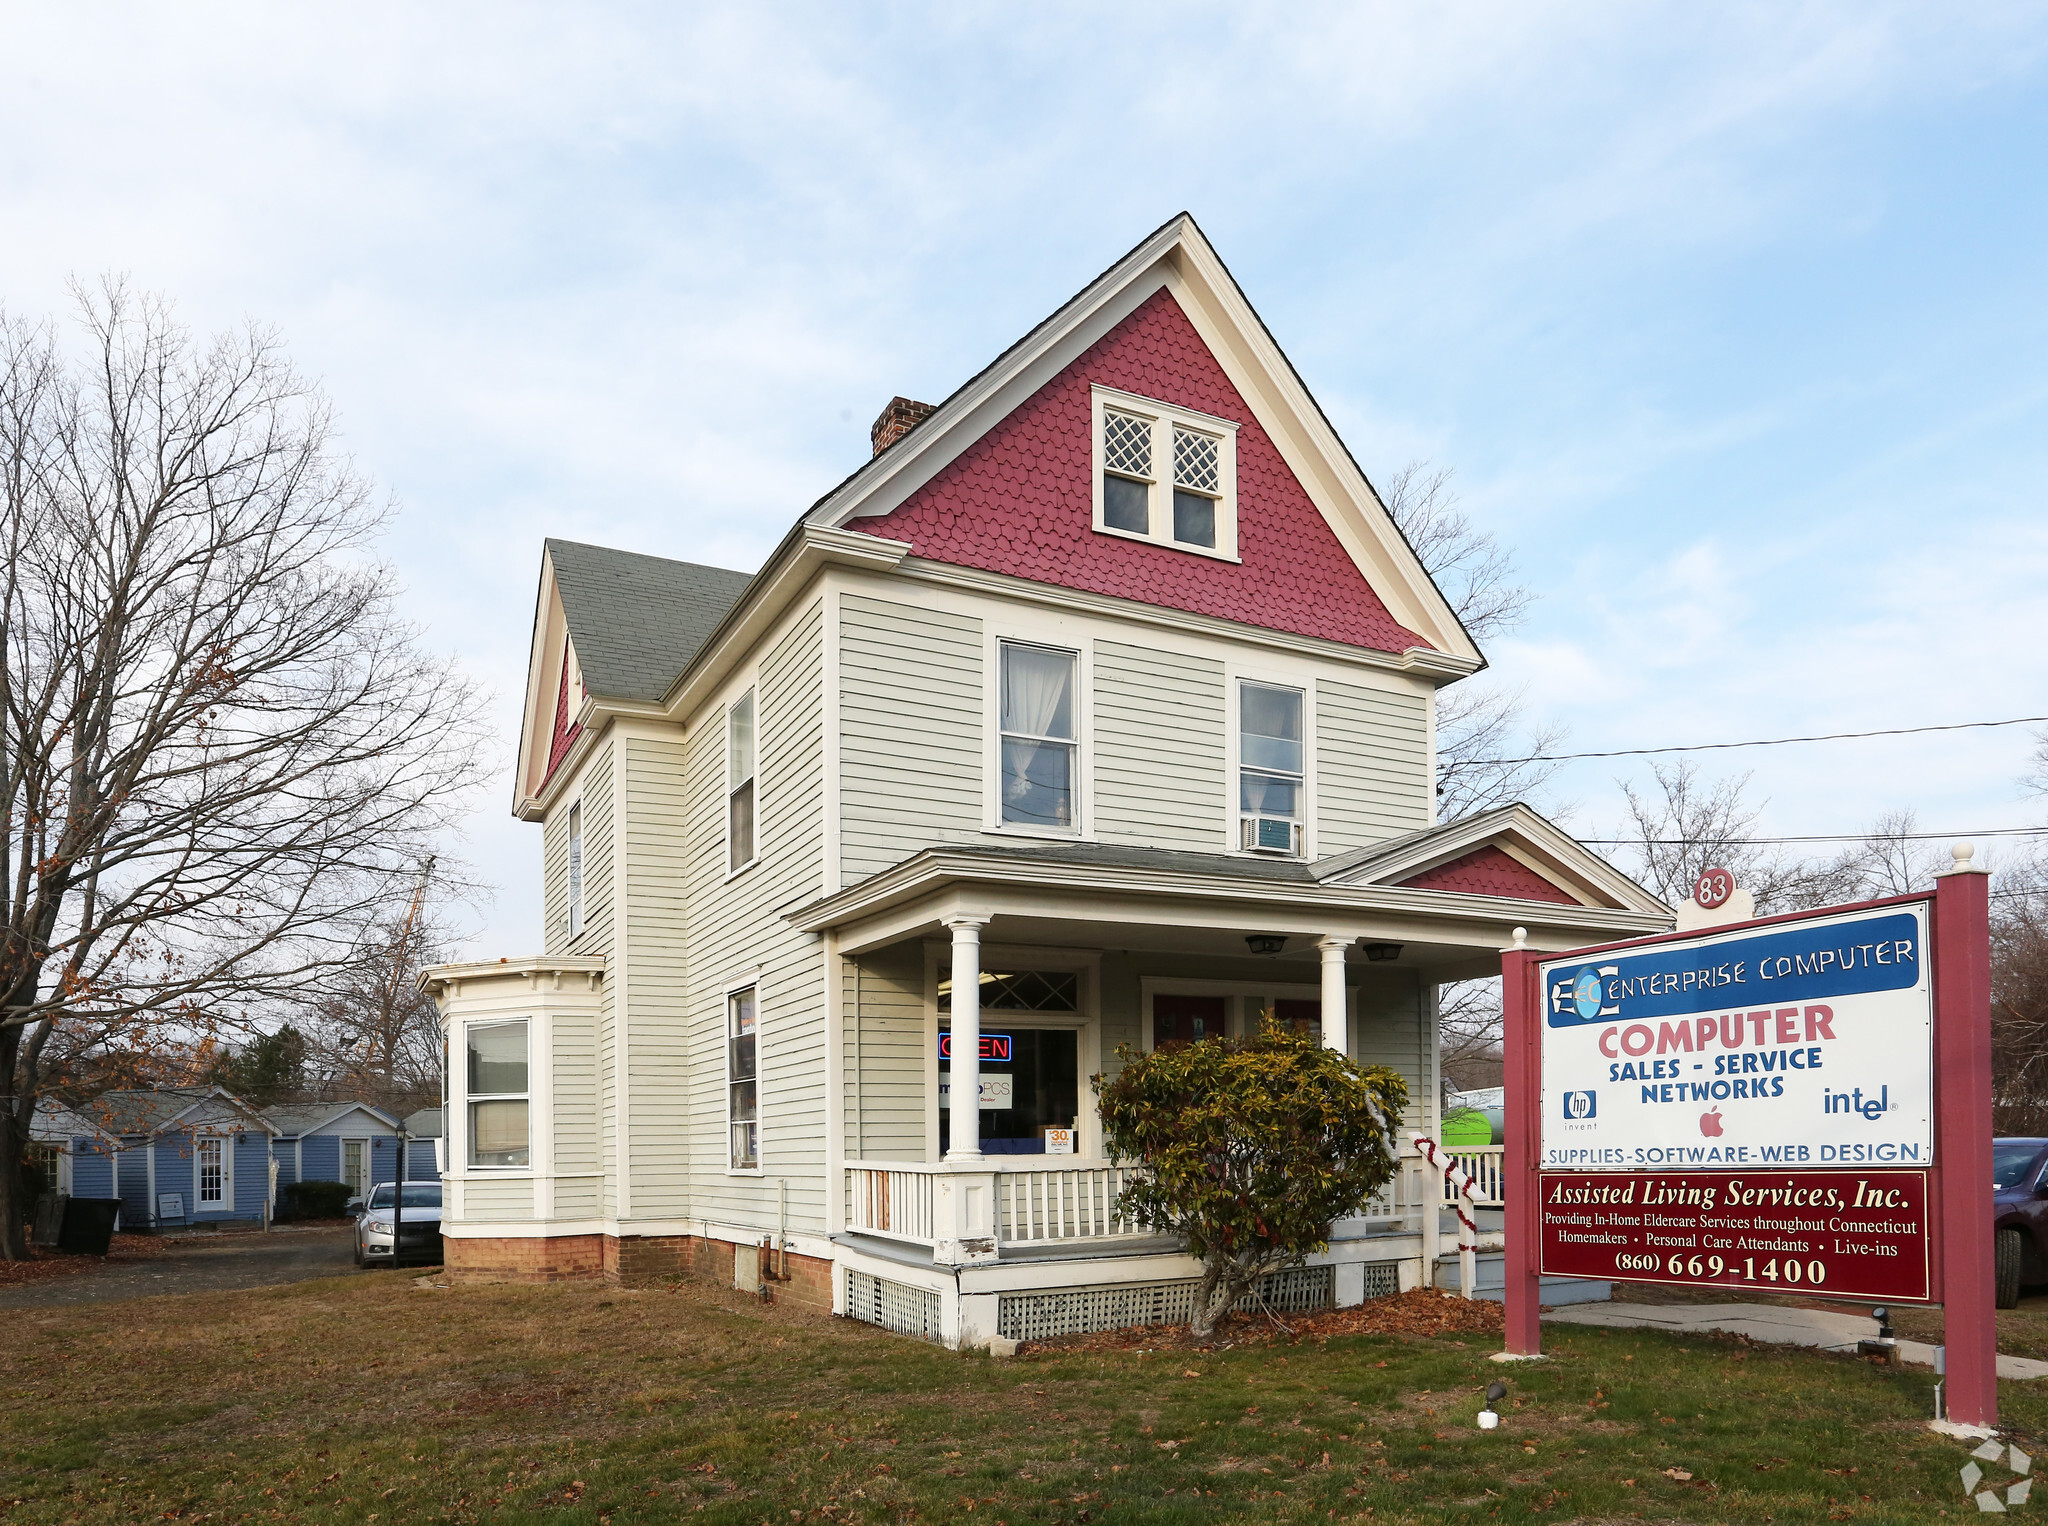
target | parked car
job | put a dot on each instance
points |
(2019, 1205)
(419, 1225)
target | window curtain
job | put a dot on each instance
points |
(1038, 693)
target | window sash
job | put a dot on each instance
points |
(740, 768)
(1272, 759)
(742, 1091)
(576, 869)
(499, 1133)
(212, 1174)
(493, 1071)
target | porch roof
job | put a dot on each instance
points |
(1094, 894)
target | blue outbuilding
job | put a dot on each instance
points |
(174, 1155)
(352, 1142)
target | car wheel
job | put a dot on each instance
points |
(2007, 1262)
(359, 1250)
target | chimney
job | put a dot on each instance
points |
(897, 420)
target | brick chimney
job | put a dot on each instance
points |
(897, 420)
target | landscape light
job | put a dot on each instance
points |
(1495, 1392)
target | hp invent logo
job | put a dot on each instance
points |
(1579, 1104)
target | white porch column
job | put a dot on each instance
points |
(966, 1069)
(1336, 1022)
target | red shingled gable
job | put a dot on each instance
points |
(1488, 871)
(565, 732)
(1020, 500)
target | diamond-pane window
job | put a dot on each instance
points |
(1195, 461)
(1127, 444)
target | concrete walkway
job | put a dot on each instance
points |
(1766, 1322)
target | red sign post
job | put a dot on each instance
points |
(1835, 1198)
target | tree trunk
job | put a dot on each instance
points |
(1223, 1283)
(14, 1199)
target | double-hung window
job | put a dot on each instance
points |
(498, 1094)
(575, 912)
(1165, 474)
(739, 783)
(1270, 768)
(1038, 725)
(213, 1179)
(742, 1078)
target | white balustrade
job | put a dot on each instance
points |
(893, 1201)
(1040, 1204)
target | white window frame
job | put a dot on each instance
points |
(222, 1147)
(573, 869)
(1236, 676)
(750, 695)
(1082, 825)
(751, 982)
(471, 1098)
(1163, 418)
(369, 1165)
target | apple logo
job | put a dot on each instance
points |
(1710, 1124)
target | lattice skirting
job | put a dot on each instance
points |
(1080, 1311)
(892, 1305)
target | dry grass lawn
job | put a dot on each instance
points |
(370, 1399)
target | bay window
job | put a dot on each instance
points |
(498, 1094)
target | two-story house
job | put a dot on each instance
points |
(1095, 709)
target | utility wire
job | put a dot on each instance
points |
(1833, 736)
(1687, 842)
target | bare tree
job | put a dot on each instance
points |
(224, 754)
(1479, 723)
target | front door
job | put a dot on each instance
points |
(355, 1166)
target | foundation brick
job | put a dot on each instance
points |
(631, 1261)
(559, 1258)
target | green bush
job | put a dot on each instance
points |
(1252, 1148)
(312, 1200)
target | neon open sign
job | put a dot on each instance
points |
(994, 1046)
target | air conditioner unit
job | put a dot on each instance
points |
(1271, 834)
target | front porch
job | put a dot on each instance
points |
(1014, 974)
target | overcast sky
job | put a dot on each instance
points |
(1729, 319)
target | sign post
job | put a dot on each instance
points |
(1791, 1104)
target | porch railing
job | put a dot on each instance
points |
(1483, 1163)
(1040, 1203)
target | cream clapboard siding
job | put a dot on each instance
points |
(738, 929)
(883, 1054)
(554, 879)
(1392, 1029)
(579, 1157)
(490, 1200)
(910, 750)
(1372, 765)
(596, 941)
(1159, 748)
(655, 981)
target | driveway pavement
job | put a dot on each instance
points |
(199, 1266)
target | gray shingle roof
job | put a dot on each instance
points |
(295, 1118)
(636, 621)
(146, 1110)
(425, 1124)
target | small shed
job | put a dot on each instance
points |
(347, 1141)
(174, 1155)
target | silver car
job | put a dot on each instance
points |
(419, 1226)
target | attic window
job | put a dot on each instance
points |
(1164, 474)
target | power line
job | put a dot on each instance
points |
(1833, 736)
(1743, 842)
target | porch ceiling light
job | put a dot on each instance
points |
(1382, 953)
(1267, 944)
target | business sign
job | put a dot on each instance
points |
(1841, 1234)
(1793, 1045)
(995, 1093)
(994, 1046)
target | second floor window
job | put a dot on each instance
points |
(739, 783)
(742, 1078)
(1270, 767)
(575, 912)
(1038, 736)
